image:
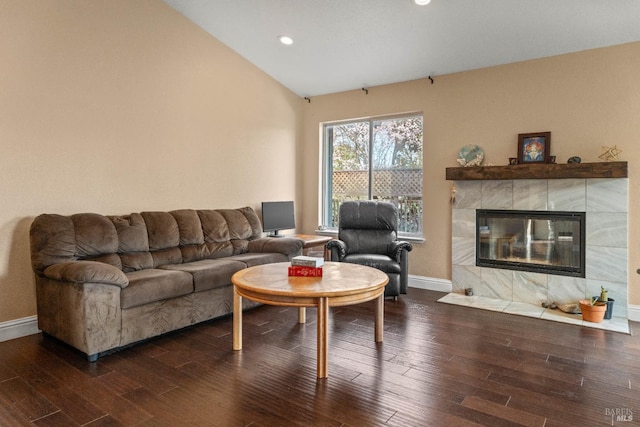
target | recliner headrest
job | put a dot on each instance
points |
(368, 214)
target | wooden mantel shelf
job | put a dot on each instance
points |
(540, 171)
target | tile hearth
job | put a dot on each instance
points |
(615, 324)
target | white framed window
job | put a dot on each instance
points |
(374, 159)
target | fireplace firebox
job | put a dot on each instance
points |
(538, 241)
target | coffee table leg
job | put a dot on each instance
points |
(323, 350)
(379, 321)
(302, 314)
(237, 320)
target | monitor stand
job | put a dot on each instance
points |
(275, 234)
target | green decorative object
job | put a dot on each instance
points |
(470, 155)
(604, 296)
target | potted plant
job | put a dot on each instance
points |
(604, 297)
(592, 310)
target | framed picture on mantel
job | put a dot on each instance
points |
(534, 147)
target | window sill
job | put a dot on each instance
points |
(334, 234)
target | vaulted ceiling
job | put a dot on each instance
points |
(348, 44)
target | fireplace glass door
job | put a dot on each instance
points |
(538, 241)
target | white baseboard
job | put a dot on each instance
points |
(18, 328)
(430, 283)
(633, 312)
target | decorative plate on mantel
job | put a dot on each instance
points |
(470, 155)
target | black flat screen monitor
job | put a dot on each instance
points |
(277, 216)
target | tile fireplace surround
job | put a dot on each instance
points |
(605, 202)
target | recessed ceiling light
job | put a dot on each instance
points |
(421, 2)
(285, 40)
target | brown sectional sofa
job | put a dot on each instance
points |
(104, 282)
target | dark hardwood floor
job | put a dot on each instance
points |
(439, 364)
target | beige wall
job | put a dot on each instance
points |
(587, 100)
(119, 106)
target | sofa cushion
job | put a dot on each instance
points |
(209, 273)
(166, 256)
(253, 258)
(162, 229)
(52, 240)
(150, 285)
(207, 250)
(254, 221)
(111, 259)
(189, 226)
(214, 226)
(133, 247)
(216, 236)
(219, 249)
(238, 224)
(132, 233)
(136, 261)
(192, 253)
(95, 235)
(240, 246)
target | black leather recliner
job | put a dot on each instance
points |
(367, 235)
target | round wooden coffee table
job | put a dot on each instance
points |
(341, 284)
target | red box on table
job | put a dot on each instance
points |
(302, 271)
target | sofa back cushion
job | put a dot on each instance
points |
(216, 235)
(145, 240)
(164, 238)
(133, 242)
(239, 230)
(85, 236)
(132, 233)
(237, 224)
(52, 240)
(254, 222)
(96, 238)
(189, 227)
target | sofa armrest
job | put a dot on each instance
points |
(338, 249)
(289, 246)
(397, 248)
(87, 272)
